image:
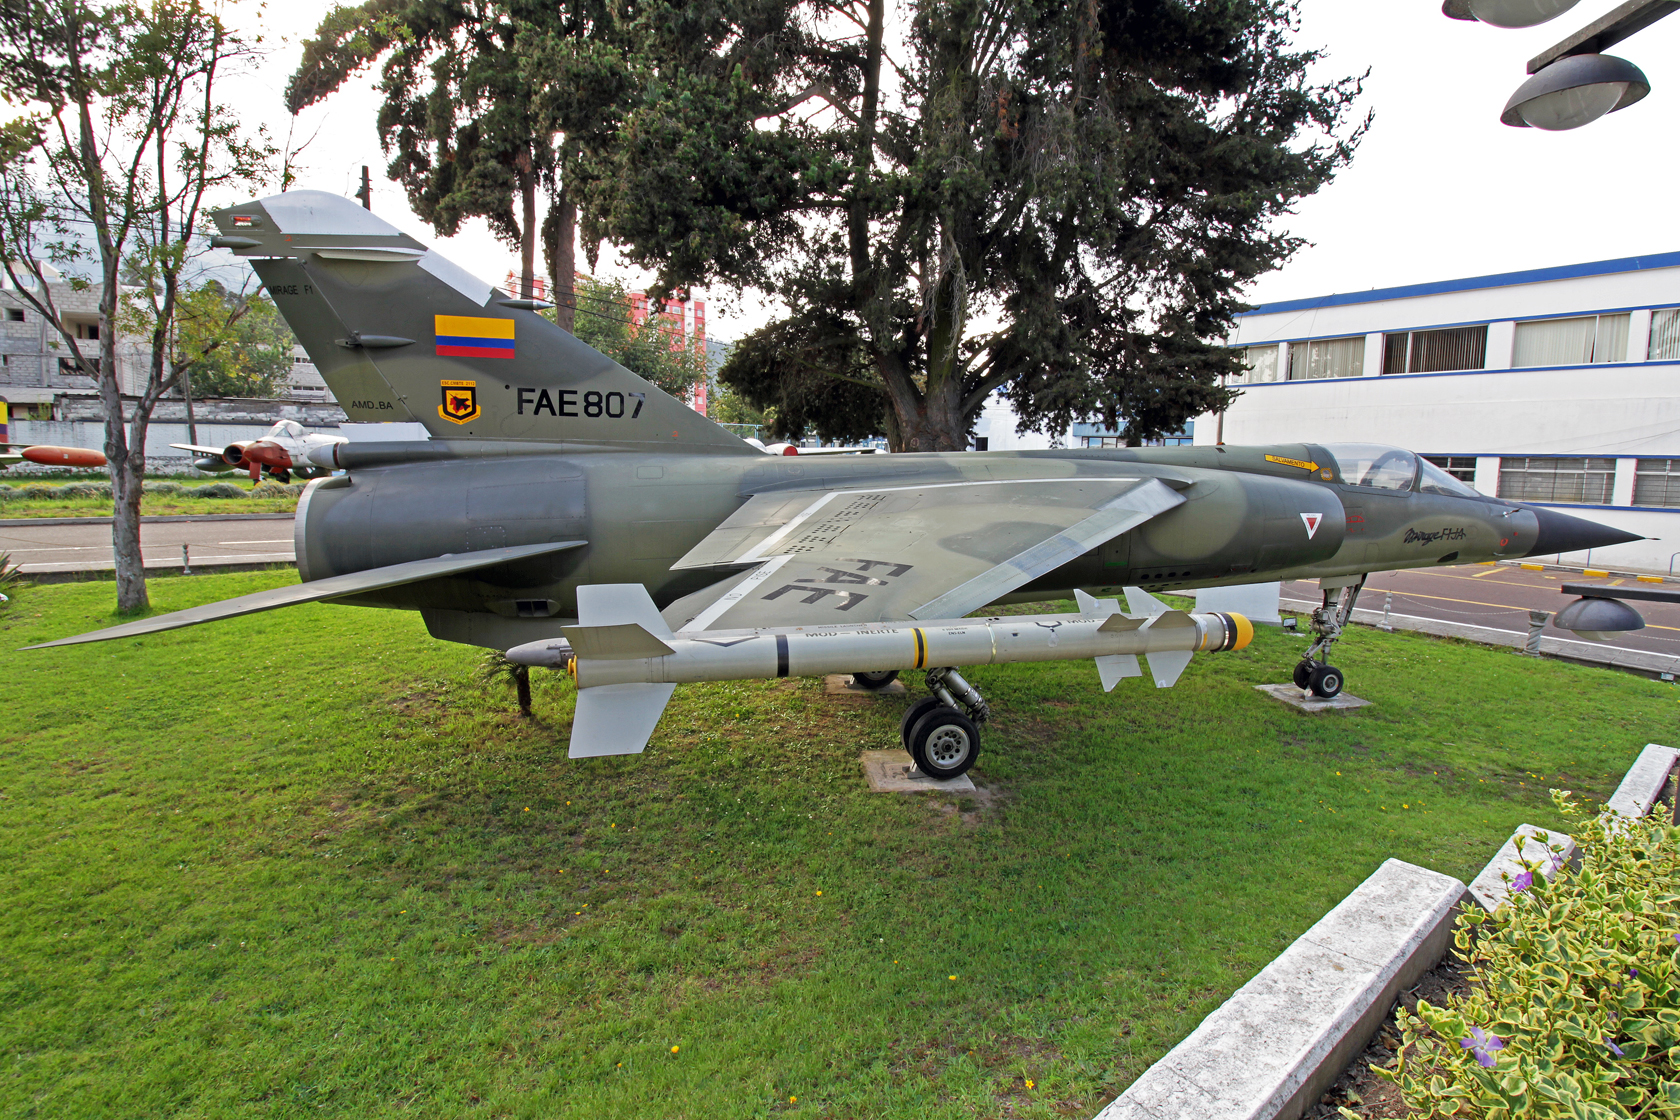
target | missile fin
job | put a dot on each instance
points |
(617, 718)
(1167, 665)
(624, 641)
(1116, 667)
(1091, 605)
(612, 604)
(1139, 601)
(1120, 624)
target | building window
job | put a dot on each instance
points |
(1262, 363)
(1327, 357)
(1177, 439)
(1461, 467)
(1590, 481)
(14, 314)
(982, 443)
(1665, 336)
(1442, 351)
(1656, 482)
(1587, 340)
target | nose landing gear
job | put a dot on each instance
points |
(1314, 673)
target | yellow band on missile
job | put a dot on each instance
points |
(921, 647)
(1245, 631)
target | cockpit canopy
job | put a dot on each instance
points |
(286, 429)
(1394, 468)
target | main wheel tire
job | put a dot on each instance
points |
(875, 681)
(1303, 673)
(1325, 681)
(914, 713)
(944, 743)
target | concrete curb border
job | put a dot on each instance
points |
(155, 568)
(1272, 1049)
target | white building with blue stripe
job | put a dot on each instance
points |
(1558, 386)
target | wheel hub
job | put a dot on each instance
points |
(947, 746)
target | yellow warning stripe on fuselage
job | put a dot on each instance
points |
(1302, 463)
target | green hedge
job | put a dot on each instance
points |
(36, 491)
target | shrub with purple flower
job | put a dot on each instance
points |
(1574, 1008)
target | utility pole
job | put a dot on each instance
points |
(366, 193)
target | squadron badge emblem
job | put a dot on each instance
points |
(460, 402)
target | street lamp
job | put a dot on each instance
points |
(1575, 91)
(1508, 13)
(1574, 82)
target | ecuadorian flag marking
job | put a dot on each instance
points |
(466, 336)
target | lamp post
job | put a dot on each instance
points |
(1573, 82)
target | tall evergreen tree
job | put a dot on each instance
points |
(1061, 201)
(487, 102)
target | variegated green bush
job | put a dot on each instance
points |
(1574, 1009)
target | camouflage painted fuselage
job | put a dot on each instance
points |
(1246, 518)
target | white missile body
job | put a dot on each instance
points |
(627, 651)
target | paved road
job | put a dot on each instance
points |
(1500, 596)
(57, 548)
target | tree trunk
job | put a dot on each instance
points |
(186, 394)
(922, 420)
(528, 235)
(562, 262)
(522, 688)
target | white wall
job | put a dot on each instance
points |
(996, 424)
(1616, 410)
(1657, 287)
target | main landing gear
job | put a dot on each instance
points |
(1314, 673)
(943, 740)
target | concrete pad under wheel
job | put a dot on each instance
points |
(890, 772)
(1307, 702)
(840, 684)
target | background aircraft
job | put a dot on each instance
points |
(284, 450)
(569, 508)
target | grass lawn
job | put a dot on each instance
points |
(303, 863)
(151, 505)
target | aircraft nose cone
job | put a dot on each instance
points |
(1562, 532)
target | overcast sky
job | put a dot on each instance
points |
(1440, 188)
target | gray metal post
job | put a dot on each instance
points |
(1536, 623)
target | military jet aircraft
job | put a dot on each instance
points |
(286, 449)
(569, 511)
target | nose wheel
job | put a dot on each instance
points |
(1323, 681)
(1314, 672)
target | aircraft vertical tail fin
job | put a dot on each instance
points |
(400, 333)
